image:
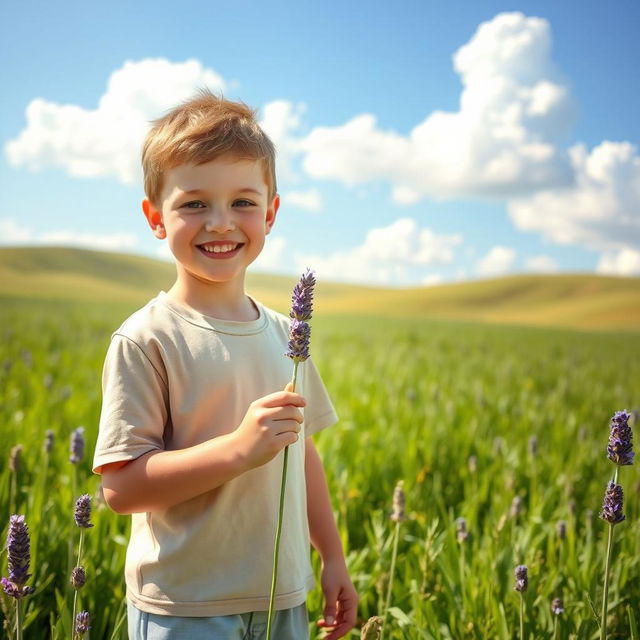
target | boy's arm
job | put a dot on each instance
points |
(341, 599)
(160, 479)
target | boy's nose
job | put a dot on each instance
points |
(219, 221)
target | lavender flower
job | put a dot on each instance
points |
(299, 338)
(19, 558)
(461, 530)
(302, 299)
(48, 440)
(301, 309)
(398, 504)
(522, 579)
(620, 448)
(612, 504)
(15, 458)
(557, 606)
(78, 578)
(77, 445)
(561, 529)
(83, 511)
(82, 623)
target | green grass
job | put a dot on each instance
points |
(417, 398)
(578, 301)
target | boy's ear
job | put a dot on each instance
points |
(272, 210)
(154, 218)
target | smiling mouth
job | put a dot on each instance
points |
(221, 249)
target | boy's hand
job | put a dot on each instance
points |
(341, 601)
(270, 424)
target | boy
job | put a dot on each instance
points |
(193, 424)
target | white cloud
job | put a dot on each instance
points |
(11, 233)
(498, 261)
(502, 141)
(311, 200)
(541, 264)
(388, 255)
(271, 257)
(106, 141)
(280, 121)
(625, 262)
(600, 211)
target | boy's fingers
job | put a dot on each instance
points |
(289, 386)
(281, 398)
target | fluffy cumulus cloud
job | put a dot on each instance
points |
(625, 262)
(514, 109)
(600, 210)
(12, 233)
(541, 264)
(105, 141)
(398, 253)
(496, 262)
(311, 200)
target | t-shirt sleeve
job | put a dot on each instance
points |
(135, 403)
(319, 412)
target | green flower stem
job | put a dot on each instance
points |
(18, 618)
(75, 595)
(392, 570)
(521, 616)
(605, 593)
(276, 549)
(556, 628)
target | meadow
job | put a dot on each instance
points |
(503, 426)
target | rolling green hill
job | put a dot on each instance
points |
(578, 301)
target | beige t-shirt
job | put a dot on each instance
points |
(174, 378)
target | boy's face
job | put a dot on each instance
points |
(215, 217)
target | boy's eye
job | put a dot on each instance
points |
(193, 204)
(242, 202)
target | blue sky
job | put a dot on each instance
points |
(419, 142)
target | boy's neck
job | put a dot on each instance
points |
(225, 301)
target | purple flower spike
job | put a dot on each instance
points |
(522, 578)
(77, 445)
(620, 448)
(301, 309)
(82, 623)
(83, 511)
(302, 299)
(299, 338)
(557, 606)
(612, 504)
(78, 577)
(19, 557)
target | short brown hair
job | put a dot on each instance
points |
(200, 130)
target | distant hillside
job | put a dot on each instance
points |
(579, 301)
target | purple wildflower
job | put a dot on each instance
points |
(561, 529)
(557, 606)
(83, 511)
(612, 504)
(462, 532)
(48, 440)
(15, 458)
(19, 557)
(620, 447)
(302, 299)
(522, 579)
(299, 338)
(78, 577)
(77, 445)
(82, 623)
(301, 309)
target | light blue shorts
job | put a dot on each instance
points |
(289, 624)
